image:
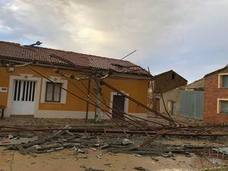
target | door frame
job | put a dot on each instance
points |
(126, 101)
(28, 77)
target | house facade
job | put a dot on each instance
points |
(166, 93)
(49, 83)
(216, 97)
(207, 99)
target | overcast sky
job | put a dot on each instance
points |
(188, 36)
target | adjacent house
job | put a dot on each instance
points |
(166, 93)
(50, 83)
(207, 99)
(216, 96)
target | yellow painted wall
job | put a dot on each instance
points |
(133, 87)
(4, 82)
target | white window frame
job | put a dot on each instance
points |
(219, 105)
(55, 80)
(220, 79)
(54, 85)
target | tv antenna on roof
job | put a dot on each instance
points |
(38, 43)
(128, 54)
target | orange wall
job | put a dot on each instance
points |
(135, 88)
(4, 82)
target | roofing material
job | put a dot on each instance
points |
(15, 51)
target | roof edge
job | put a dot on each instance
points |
(168, 72)
(216, 71)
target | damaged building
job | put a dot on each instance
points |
(50, 83)
(166, 93)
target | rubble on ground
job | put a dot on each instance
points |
(55, 140)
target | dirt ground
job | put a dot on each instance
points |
(67, 160)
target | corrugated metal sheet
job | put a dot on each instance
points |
(192, 104)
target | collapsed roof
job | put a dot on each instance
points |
(41, 55)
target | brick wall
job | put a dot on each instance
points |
(168, 81)
(212, 94)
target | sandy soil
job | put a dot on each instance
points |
(68, 161)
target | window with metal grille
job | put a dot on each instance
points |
(24, 90)
(224, 106)
(225, 81)
(53, 92)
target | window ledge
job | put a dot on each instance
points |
(52, 103)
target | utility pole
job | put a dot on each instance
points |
(98, 111)
(128, 54)
(87, 103)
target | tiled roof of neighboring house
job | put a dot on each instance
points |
(42, 55)
(196, 85)
(217, 71)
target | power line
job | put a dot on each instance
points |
(128, 54)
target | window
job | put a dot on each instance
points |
(224, 79)
(223, 106)
(24, 90)
(53, 92)
(50, 92)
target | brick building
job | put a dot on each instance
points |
(216, 96)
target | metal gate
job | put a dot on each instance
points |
(192, 104)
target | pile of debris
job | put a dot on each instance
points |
(46, 142)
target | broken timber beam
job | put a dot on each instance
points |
(119, 131)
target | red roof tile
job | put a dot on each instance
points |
(16, 51)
